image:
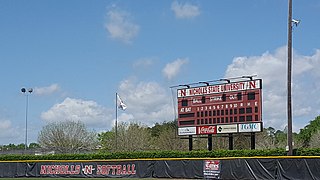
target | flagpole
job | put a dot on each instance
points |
(116, 125)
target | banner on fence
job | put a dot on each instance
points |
(235, 168)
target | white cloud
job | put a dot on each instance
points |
(120, 26)
(184, 11)
(88, 112)
(4, 124)
(47, 90)
(6, 131)
(173, 68)
(147, 102)
(144, 63)
(272, 69)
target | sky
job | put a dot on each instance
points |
(77, 54)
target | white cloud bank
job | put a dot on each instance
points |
(88, 112)
(7, 131)
(184, 11)
(53, 88)
(143, 63)
(147, 102)
(120, 26)
(272, 69)
(173, 68)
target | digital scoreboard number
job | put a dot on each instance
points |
(229, 103)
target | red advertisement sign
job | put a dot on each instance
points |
(211, 169)
(206, 130)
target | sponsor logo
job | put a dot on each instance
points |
(213, 165)
(206, 130)
(230, 128)
(250, 127)
(187, 131)
(211, 169)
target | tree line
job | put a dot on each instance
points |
(74, 137)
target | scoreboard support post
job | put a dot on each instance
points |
(209, 142)
(190, 142)
(253, 140)
(230, 141)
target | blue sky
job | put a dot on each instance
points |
(77, 54)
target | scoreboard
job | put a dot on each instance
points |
(228, 107)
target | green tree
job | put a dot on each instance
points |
(20, 146)
(67, 137)
(157, 129)
(200, 143)
(266, 139)
(130, 137)
(241, 141)
(107, 140)
(169, 140)
(9, 147)
(315, 140)
(34, 146)
(307, 132)
(220, 141)
(165, 137)
(280, 139)
(135, 138)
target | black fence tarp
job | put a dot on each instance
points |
(282, 168)
(235, 168)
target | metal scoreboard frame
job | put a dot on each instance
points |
(232, 107)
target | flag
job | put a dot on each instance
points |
(121, 105)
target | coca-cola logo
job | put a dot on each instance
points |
(207, 130)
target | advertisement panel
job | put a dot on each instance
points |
(250, 127)
(230, 128)
(186, 131)
(206, 130)
(211, 169)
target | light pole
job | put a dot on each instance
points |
(291, 22)
(26, 91)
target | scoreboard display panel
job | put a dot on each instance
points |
(220, 104)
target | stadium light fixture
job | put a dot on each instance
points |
(227, 80)
(250, 77)
(184, 85)
(26, 92)
(203, 82)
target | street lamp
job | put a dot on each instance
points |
(26, 91)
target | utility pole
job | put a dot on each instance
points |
(289, 106)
